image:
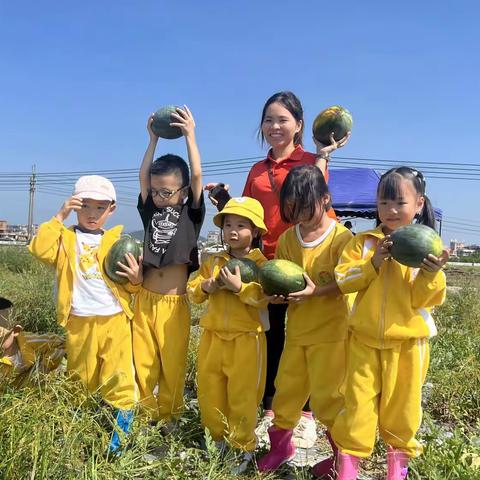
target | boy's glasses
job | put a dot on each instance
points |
(164, 193)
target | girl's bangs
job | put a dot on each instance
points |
(389, 187)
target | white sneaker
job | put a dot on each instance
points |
(305, 433)
(243, 460)
(261, 432)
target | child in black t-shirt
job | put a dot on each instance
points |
(172, 226)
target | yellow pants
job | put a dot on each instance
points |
(317, 371)
(99, 353)
(161, 330)
(231, 381)
(382, 387)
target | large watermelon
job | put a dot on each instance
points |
(126, 244)
(161, 123)
(413, 243)
(248, 269)
(281, 277)
(334, 119)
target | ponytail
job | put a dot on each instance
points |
(427, 215)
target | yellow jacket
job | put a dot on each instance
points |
(55, 245)
(227, 311)
(324, 318)
(393, 304)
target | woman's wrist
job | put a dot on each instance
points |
(323, 156)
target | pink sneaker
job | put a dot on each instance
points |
(326, 468)
(397, 464)
(347, 466)
(281, 450)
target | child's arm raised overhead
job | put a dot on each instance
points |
(185, 121)
(144, 174)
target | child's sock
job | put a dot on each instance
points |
(308, 415)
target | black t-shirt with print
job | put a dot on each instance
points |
(171, 233)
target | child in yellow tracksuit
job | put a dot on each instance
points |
(94, 310)
(388, 351)
(21, 352)
(231, 356)
(172, 211)
(313, 360)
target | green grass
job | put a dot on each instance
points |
(54, 430)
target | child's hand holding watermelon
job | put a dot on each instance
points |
(276, 299)
(433, 263)
(230, 281)
(183, 119)
(382, 252)
(133, 270)
(308, 291)
(210, 285)
(153, 136)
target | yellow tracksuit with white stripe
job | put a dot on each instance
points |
(313, 360)
(99, 348)
(232, 354)
(388, 352)
(44, 351)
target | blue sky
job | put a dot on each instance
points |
(78, 81)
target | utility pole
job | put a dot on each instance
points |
(30, 205)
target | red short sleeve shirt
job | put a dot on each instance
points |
(265, 187)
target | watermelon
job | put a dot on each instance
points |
(161, 123)
(412, 243)
(248, 269)
(334, 119)
(126, 244)
(281, 277)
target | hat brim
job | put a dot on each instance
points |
(217, 219)
(94, 196)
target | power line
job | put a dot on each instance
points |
(472, 166)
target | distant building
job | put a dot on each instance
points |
(456, 246)
(213, 238)
(14, 233)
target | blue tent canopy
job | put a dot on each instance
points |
(354, 192)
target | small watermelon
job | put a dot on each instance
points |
(281, 277)
(126, 244)
(334, 119)
(161, 123)
(412, 243)
(248, 269)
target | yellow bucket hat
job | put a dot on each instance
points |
(246, 207)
